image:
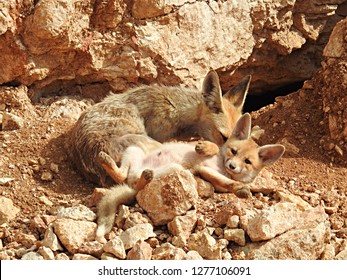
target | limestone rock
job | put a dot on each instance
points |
(205, 189)
(150, 8)
(328, 253)
(11, 121)
(5, 181)
(237, 235)
(141, 251)
(342, 255)
(135, 218)
(264, 183)
(7, 210)
(333, 85)
(336, 45)
(17, 99)
(45, 200)
(67, 107)
(288, 197)
(46, 253)
(57, 45)
(47, 176)
(169, 196)
(304, 242)
(28, 240)
(205, 245)
(79, 212)
(168, 252)
(62, 257)
(193, 255)
(115, 246)
(83, 257)
(273, 221)
(50, 240)
(34, 256)
(233, 221)
(183, 225)
(93, 248)
(136, 233)
(73, 233)
(108, 256)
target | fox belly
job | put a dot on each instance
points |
(183, 154)
(169, 153)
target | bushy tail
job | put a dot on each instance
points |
(108, 207)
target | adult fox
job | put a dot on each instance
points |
(102, 133)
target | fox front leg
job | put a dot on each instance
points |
(206, 148)
(223, 183)
(110, 166)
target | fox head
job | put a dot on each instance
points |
(220, 112)
(243, 158)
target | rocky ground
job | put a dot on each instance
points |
(298, 209)
(56, 54)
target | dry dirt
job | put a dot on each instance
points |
(306, 169)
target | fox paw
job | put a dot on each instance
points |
(104, 158)
(148, 175)
(111, 167)
(243, 192)
(206, 148)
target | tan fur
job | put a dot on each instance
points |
(108, 207)
(232, 166)
(145, 115)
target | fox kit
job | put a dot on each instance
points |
(228, 168)
(162, 113)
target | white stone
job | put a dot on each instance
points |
(169, 196)
(34, 256)
(73, 233)
(136, 233)
(79, 212)
(51, 240)
(273, 221)
(7, 210)
(115, 246)
(236, 235)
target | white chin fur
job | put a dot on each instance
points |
(241, 177)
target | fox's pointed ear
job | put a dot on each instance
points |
(237, 94)
(270, 153)
(211, 92)
(242, 130)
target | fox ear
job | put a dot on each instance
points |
(237, 94)
(270, 153)
(242, 129)
(211, 92)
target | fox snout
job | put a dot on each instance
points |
(238, 171)
(233, 166)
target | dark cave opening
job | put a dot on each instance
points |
(255, 102)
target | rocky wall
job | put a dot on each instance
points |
(333, 88)
(93, 46)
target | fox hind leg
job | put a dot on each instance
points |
(146, 177)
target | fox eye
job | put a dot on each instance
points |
(233, 151)
(247, 161)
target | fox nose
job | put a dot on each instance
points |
(232, 165)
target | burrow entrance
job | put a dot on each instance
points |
(257, 101)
